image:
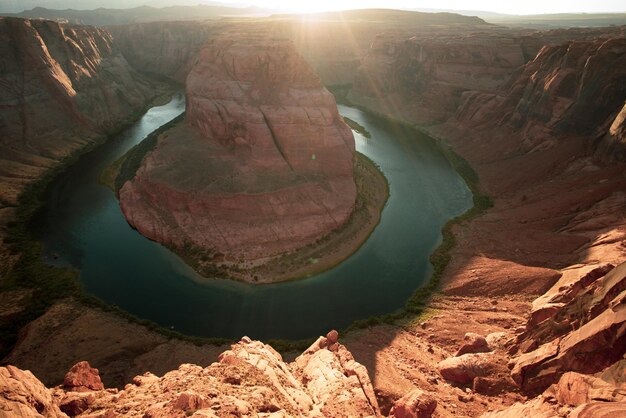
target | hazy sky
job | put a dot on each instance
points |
(512, 7)
(501, 6)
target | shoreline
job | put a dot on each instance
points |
(26, 269)
(441, 256)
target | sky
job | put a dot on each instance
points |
(500, 6)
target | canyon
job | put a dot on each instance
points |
(538, 278)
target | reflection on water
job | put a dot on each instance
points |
(82, 225)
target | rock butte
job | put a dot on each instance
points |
(262, 165)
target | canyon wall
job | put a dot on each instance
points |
(163, 48)
(267, 160)
(421, 77)
(537, 135)
(61, 87)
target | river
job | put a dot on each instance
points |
(82, 227)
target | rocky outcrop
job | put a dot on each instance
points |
(250, 379)
(586, 333)
(23, 395)
(421, 79)
(268, 161)
(60, 88)
(425, 77)
(575, 395)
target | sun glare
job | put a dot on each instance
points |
(310, 7)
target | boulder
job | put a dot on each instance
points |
(464, 369)
(82, 378)
(415, 404)
(473, 343)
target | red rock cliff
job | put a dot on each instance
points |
(60, 87)
(262, 165)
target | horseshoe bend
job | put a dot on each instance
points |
(262, 165)
(447, 187)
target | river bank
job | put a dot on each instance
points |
(32, 285)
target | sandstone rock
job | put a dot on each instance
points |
(473, 343)
(263, 129)
(82, 378)
(415, 404)
(318, 383)
(332, 337)
(600, 410)
(63, 86)
(323, 372)
(595, 341)
(576, 389)
(498, 340)
(167, 48)
(464, 369)
(23, 395)
(74, 404)
(189, 401)
(572, 282)
(535, 408)
(493, 386)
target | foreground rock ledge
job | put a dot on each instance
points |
(250, 379)
(262, 165)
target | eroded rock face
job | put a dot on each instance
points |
(585, 333)
(23, 395)
(571, 90)
(262, 165)
(166, 48)
(248, 380)
(60, 88)
(575, 395)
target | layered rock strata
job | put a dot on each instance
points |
(262, 165)
(60, 88)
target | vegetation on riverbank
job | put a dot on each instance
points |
(45, 284)
(357, 127)
(131, 161)
(441, 256)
